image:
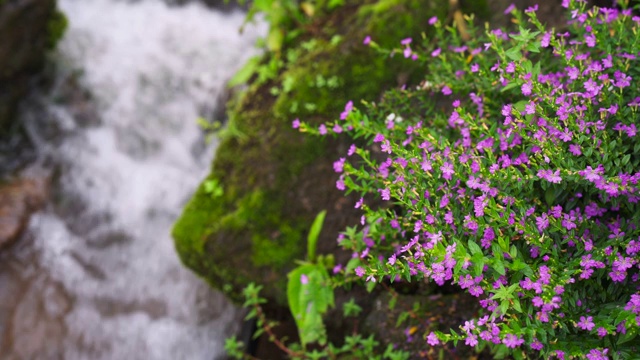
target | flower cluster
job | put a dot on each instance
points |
(511, 170)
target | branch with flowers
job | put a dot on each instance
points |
(512, 172)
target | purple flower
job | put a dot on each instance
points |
(476, 290)
(509, 9)
(352, 150)
(592, 87)
(602, 332)
(575, 149)
(536, 345)
(526, 88)
(542, 222)
(347, 109)
(432, 21)
(386, 146)
(432, 339)
(322, 129)
(471, 340)
(586, 323)
(447, 170)
(367, 40)
(634, 304)
(385, 193)
(359, 271)
(304, 279)
(446, 90)
(359, 203)
(550, 176)
(512, 341)
(596, 354)
(546, 39)
(487, 237)
(338, 166)
(295, 124)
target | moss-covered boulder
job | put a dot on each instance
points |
(28, 28)
(248, 221)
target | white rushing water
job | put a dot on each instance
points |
(97, 276)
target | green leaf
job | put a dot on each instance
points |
(509, 86)
(478, 267)
(514, 53)
(275, 39)
(516, 305)
(473, 247)
(533, 47)
(627, 337)
(536, 71)
(309, 297)
(314, 233)
(243, 75)
(498, 266)
(504, 306)
(550, 196)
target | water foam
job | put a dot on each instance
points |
(152, 70)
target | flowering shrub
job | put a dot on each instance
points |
(511, 171)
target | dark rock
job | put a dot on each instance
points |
(28, 28)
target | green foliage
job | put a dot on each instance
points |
(309, 292)
(234, 348)
(314, 233)
(350, 308)
(310, 295)
(56, 27)
(511, 171)
(213, 187)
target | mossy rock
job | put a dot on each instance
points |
(275, 180)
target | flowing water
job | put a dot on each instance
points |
(96, 275)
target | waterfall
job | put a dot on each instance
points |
(96, 275)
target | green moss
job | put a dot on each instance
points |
(190, 231)
(359, 75)
(389, 21)
(56, 27)
(277, 252)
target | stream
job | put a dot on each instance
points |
(96, 275)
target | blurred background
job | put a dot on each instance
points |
(98, 157)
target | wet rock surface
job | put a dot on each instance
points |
(18, 200)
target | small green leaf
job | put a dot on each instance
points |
(473, 247)
(498, 266)
(314, 233)
(516, 305)
(275, 39)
